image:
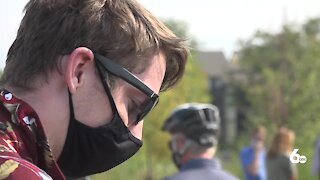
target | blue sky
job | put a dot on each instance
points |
(217, 24)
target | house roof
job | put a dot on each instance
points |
(214, 63)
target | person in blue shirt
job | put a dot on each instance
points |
(194, 129)
(253, 157)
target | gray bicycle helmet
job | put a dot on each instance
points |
(198, 122)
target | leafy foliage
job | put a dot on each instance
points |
(282, 87)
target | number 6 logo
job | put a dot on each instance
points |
(297, 158)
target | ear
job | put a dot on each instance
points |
(76, 65)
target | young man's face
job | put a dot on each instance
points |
(94, 108)
(127, 97)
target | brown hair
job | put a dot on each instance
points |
(282, 143)
(121, 30)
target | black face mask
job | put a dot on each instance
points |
(177, 154)
(90, 150)
(176, 158)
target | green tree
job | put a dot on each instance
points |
(180, 29)
(282, 88)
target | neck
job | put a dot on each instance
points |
(50, 104)
(208, 154)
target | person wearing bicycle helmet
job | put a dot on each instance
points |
(194, 129)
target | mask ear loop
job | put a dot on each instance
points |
(106, 88)
(104, 76)
(113, 105)
(71, 106)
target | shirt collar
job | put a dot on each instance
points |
(201, 163)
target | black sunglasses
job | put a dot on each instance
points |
(124, 74)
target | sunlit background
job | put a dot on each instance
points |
(258, 61)
(217, 25)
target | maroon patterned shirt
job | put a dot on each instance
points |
(24, 149)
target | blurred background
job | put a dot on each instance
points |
(258, 61)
